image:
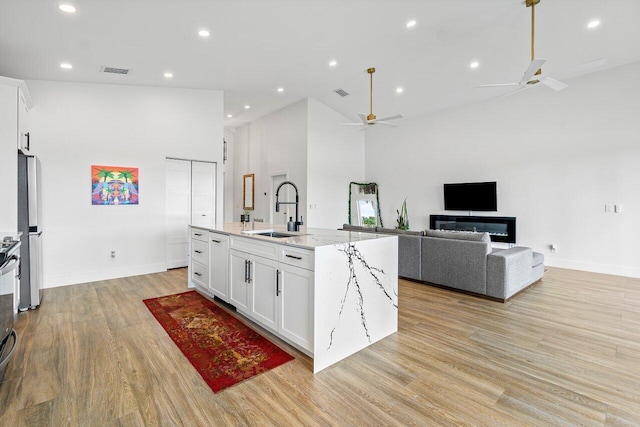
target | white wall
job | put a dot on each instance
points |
(74, 126)
(335, 157)
(273, 144)
(228, 168)
(558, 158)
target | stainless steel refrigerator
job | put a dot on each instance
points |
(29, 222)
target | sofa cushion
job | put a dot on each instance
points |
(459, 235)
(538, 259)
(397, 231)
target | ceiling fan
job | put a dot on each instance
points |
(533, 74)
(371, 119)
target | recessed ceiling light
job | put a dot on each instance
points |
(474, 65)
(333, 63)
(66, 66)
(280, 89)
(399, 90)
(246, 107)
(168, 75)
(411, 24)
(593, 24)
(229, 116)
(203, 33)
(67, 8)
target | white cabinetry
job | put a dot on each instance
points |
(11, 117)
(24, 138)
(296, 305)
(219, 265)
(199, 271)
(272, 292)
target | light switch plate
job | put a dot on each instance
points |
(618, 208)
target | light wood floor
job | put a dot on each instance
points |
(564, 352)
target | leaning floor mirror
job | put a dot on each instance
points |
(364, 204)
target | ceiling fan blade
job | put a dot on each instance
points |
(396, 117)
(500, 85)
(535, 65)
(363, 118)
(553, 83)
(387, 124)
(351, 124)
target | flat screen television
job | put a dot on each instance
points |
(471, 196)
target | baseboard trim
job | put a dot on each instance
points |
(615, 270)
(95, 276)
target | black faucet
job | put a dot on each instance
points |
(298, 223)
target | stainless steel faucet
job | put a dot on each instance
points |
(299, 222)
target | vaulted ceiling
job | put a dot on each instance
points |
(258, 46)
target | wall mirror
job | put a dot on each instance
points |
(247, 191)
(364, 204)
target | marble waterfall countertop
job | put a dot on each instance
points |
(307, 238)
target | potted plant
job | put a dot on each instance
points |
(403, 217)
(244, 217)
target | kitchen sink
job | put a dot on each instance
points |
(270, 233)
(276, 234)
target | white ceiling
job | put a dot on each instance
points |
(257, 46)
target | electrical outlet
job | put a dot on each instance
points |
(608, 208)
(113, 254)
(617, 208)
(553, 247)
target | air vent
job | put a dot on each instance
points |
(341, 92)
(114, 70)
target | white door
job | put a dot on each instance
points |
(296, 305)
(264, 304)
(281, 218)
(178, 211)
(203, 194)
(238, 280)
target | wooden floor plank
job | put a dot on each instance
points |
(566, 351)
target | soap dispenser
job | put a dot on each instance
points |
(291, 226)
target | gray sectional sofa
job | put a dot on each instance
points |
(463, 261)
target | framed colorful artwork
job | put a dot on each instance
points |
(114, 185)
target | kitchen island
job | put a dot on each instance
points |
(329, 293)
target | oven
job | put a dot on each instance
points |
(9, 298)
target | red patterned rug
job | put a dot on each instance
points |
(221, 348)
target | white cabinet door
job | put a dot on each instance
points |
(178, 211)
(219, 265)
(296, 305)
(239, 286)
(203, 194)
(264, 301)
(24, 140)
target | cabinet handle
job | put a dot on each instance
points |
(249, 278)
(197, 274)
(197, 234)
(277, 282)
(28, 140)
(246, 270)
(294, 257)
(198, 252)
(215, 241)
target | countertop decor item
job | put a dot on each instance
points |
(223, 350)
